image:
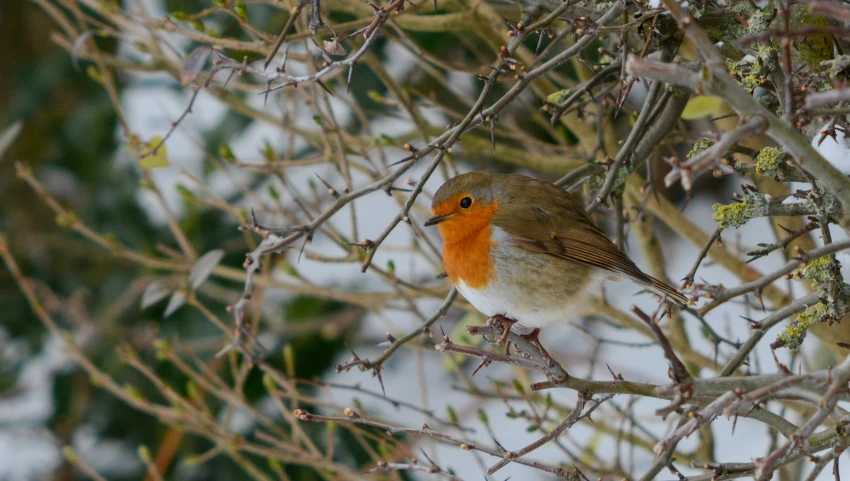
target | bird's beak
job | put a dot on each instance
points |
(437, 219)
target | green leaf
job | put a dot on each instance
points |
(133, 392)
(162, 348)
(94, 74)
(274, 464)
(273, 193)
(591, 448)
(70, 454)
(519, 387)
(240, 10)
(701, 106)
(144, 453)
(154, 161)
(557, 97)
(151, 155)
(192, 391)
(268, 151)
(452, 415)
(289, 360)
(226, 153)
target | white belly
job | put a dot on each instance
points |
(484, 300)
(526, 310)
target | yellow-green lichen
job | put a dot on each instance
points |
(838, 68)
(730, 215)
(825, 277)
(558, 97)
(593, 183)
(810, 50)
(818, 270)
(795, 333)
(768, 161)
(752, 205)
(759, 22)
(750, 74)
(768, 58)
(826, 206)
(699, 146)
(729, 31)
(622, 176)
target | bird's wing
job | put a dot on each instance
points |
(541, 217)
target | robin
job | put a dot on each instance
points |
(525, 250)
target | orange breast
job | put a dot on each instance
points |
(469, 259)
(467, 243)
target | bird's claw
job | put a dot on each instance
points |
(502, 323)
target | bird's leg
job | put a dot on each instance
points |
(503, 323)
(533, 337)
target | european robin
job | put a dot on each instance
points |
(526, 250)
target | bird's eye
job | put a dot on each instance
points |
(465, 202)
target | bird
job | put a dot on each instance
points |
(525, 250)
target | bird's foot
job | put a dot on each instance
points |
(534, 338)
(502, 323)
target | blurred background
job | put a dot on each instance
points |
(154, 222)
(72, 141)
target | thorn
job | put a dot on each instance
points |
(484, 363)
(539, 43)
(325, 87)
(227, 81)
(406, 159)
(499, 445)
(331, 190)
(350, 76)
(307, 240)
(617, 376)
(493, 133)
(428, 458)
(285, 58)
(381, 381)
(356, 357)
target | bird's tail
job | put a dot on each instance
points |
(673, 294)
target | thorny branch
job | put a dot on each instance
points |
(687, 171)
(584, 100)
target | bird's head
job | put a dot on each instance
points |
(465, 204)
